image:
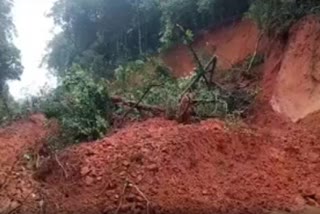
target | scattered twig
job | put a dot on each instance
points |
(20, 204)
(6, 181)
(255, 54)
(126, 185)
(143, 195)
(201, 69)
(199, 75)
(59, 163)
(213, 63)
(139, 101)
(132, 104)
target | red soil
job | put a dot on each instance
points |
(298, 88)
(209, 167)
(16, 141)
(232, 44)
(200, 168)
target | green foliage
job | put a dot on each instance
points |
(196, 15)
(100, 35)
(133, 78)
(81, 105)
(10, 66)
(11, 110)
(275, 17)
(167, 91)
(112, 39)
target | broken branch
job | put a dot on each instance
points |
(126, 185)
(254, 55)
(139, 101)
(61, 166)
(122, 101)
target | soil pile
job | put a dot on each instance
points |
(16, 141)
(200, 168)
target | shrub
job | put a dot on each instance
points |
(167, 91)
(81, 105)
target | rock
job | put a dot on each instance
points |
(89, 181)
(126, 163)
(313, 157)
(153, 167)
(205, 192)
(139, 178)
(111, 186)
(5, 205)
(85, 170)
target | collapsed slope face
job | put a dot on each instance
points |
(232, 44)
(295, 85)
(297, 90)
(199, 168)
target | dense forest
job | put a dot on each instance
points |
(107, 65)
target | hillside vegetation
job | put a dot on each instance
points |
(106, 59)
(180, 106)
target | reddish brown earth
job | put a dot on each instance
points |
(159, 166)
(16, 183)
(232, 44)
(297, 89)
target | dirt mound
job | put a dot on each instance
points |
(15, 142)
(298, 85)
(200, 168)
(232, 44)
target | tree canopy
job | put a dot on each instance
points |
(102, 34)
(10, 65)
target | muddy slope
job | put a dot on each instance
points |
(297, 90)
(232, 44)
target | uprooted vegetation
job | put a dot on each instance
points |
(87, 109)
(106, 79)
(224, 149)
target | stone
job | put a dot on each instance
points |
(89, 181)
(85, 170)
(126, 163)
(153, 167)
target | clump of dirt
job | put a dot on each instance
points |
(199, 168)
(297, 89)
(232, 44)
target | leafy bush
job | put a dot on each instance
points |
(81, 105)
(167, 91)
